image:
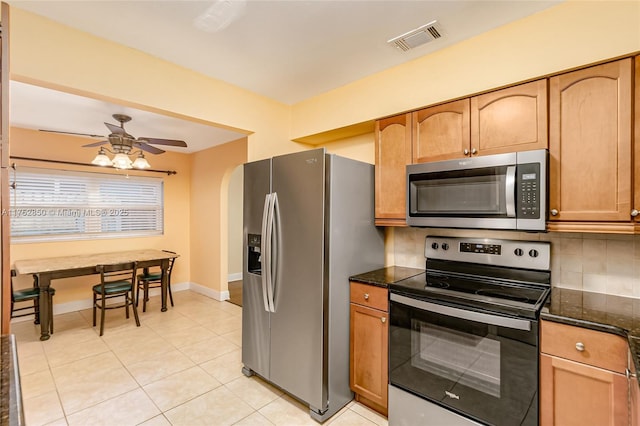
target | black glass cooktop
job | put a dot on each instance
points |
(490, 288)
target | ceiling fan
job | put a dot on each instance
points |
(124, 144)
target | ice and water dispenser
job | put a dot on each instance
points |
(253, 258)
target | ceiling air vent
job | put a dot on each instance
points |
(417, 37)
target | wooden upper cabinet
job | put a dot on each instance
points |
(506, 120)
(441, 132)
(393, 153)
(590, 122)
(511, 119)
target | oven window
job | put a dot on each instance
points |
(480, 192)
(463, 358)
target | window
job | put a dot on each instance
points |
(62, 205)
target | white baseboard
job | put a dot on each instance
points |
(209, 292)
(234, 277)
(79, 305)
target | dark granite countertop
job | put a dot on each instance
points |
(385, 276)
(596, 311)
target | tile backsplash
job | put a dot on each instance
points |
(601, 263)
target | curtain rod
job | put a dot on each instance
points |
(167, 172)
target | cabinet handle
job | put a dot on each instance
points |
(634, 213)
(554, 212)
(580, 347)
(466, 151)
(366, 296)
(474, 151)
(383, 319)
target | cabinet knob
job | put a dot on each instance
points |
(580, 347)
(554, 212)
(634, 213)
(366, 296)
(474, 151)
(466, 151)
(383, 319)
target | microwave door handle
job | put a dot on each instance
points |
(510, 191)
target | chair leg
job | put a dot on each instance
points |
(135, 310)
(146, 296)
(137, 293)
(170, 294)
(102, 309)
(126, 303)
(94, 308)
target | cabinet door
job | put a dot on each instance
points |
(441, 132)
(590, 143)
(369, 355)
(511, 119)
(393, 153)
(572, 393)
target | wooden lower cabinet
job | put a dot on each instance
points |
(572, 393)
(582, 377)
(369, 344)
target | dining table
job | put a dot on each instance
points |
(53, 268)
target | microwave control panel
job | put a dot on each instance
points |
(528, 191)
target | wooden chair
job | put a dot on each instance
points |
(30, 294)
(116, 280)
(153, 280)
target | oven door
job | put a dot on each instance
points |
(480, 365)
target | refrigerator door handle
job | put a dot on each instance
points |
(275, 219)
(265, 249)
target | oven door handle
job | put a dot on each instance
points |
(464, 314)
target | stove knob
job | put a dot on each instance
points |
(533, 253)
(445, 246)
(434, 246)
(518, 252)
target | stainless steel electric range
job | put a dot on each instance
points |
(463, 337)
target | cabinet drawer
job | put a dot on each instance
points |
(600, 349)
(370, 295)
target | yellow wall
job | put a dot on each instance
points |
(211, 170)
(568, 35)
(34, 144)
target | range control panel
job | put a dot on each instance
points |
(510, 253)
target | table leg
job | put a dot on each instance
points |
(44, 283)
(164, 284)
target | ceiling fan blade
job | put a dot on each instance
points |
(170, 142)
(115, 129)
(71, 133)
(95, 144)
(148, 148)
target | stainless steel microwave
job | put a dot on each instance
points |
(502, 191)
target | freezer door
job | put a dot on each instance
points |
(297, 331)
(255, 319)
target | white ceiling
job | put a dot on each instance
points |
(286, 50)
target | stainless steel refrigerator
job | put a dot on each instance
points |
(308, 226)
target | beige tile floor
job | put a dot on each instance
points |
(180, 367)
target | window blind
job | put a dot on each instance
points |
(64, 205)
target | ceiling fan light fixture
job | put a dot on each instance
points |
(121, 161)
(101, 159)
(141, 162)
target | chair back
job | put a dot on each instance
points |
(171, 262)
(117, 272)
